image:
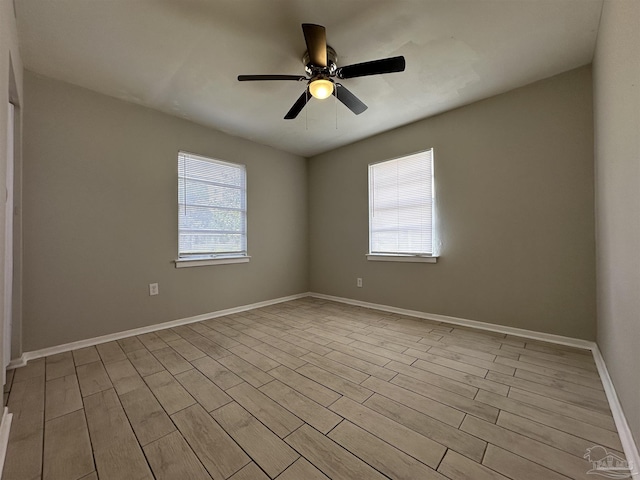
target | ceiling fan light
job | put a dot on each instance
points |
(321, 88)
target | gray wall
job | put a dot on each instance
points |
(514, 181)
(100, 218)
(617, 140)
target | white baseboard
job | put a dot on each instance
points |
(520, 332)
(45, 352)
(5, 428)
(626, 437)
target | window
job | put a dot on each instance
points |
(212, 211)
(401, 209)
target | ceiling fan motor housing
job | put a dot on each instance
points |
(316, 71)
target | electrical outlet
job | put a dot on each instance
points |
(359, 282)
(153, 289)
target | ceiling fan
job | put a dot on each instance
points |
(320, 61)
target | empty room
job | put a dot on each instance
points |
(298, 240)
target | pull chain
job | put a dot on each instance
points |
(336, 104)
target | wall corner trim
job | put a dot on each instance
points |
(5, 428)
(624, 432)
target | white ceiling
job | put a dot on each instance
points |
(183, 56)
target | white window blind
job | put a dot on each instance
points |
(212, 207)
(401, 205)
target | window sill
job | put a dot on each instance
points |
(401, 258)
(202, 262)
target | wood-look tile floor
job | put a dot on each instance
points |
(309, 389)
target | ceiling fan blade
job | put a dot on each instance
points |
(375, 67)
(316, 38)
(250, 78)
(352, 102)
(298, 106)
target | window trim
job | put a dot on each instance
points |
(204, 259)
(203, 262)
(406, 257)
(387, 257)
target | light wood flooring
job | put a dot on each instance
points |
(309, 389)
